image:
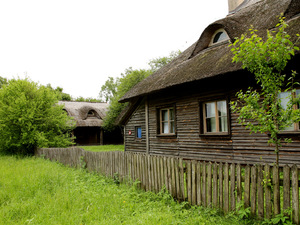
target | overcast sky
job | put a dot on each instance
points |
(77, 44)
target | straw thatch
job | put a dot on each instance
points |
(200, 61)
(80, 110)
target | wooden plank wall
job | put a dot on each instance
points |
(137, 119)
(220, 185)
(239, 147)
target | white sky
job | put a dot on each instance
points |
(77, 44)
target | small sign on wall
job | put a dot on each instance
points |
(129, 132)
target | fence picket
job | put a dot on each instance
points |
(226, 188)
(215, 185)
(295, 194)
(260, 192)
(247, 187)
(204, 199)
(194, 194)
(232, 187)
(198, 183)
(253, 189)
(276, 190)
(221, 185)
(238, 183)
(181, 176)
(209, 185)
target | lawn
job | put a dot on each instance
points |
(37, 191)
(103, 148)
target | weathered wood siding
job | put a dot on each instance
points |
(238, 147)
(136, 120)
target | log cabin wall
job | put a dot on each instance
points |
(238, 147)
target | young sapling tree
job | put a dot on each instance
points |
(271, 109)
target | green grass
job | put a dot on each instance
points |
(37, 191)
(103, 148)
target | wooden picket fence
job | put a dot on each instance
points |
(267, 190)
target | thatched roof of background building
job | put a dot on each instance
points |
(79, 111)
(200, 61)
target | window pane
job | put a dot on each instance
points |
(211, 125)
(139, 132)
(172, 128)
(289, 128)
(210, 110)
(222, 108)
(220, 36)
(223, 127)
(164, 115)
(171, 114)
(165, 128)
(284, 97)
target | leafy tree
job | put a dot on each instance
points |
(109, 89)
(82, 99)
(30, 117)
(157, 63)
(263, 110)
(114, 89)
(127, 81)
(3, 81)
(60, 94)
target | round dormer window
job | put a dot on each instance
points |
(218, 37)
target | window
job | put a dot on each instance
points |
(218, 37)
(138, 132)
(215, 119)
(91, 113)
(284, 97)
(166, 121)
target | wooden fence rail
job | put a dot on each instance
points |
(266, 189)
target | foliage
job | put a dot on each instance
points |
(37, 191)
(30, 117)
(115, 88)
(126, 82)
(109, 89)
(267, 61)
(3, 81)
(60, 94)
(157, 63)
(282, 218)
(82, 99)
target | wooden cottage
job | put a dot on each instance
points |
(183, 108)
(89, 118)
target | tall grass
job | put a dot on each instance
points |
(36, 191)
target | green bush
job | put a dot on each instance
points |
(30, 117)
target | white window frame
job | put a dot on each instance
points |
(169, 121)
(212, 43)
(217, 123)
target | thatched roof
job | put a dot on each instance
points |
(200, 61)
(80, 112)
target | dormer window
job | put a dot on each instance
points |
(91, 113)
(218, 37)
